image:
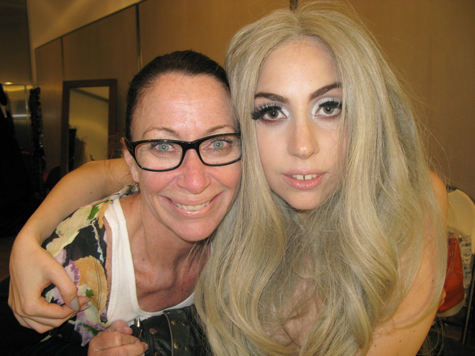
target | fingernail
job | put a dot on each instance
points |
(75, 304)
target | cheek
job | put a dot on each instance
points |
(269, 148)
(229, 176)
(331, 144)
(135, 172)
(154, 181)
(339, 148)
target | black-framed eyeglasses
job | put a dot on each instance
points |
(166, 155)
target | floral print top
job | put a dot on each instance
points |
(79, 245)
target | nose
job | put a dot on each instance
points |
(193, 173)
(303, 140)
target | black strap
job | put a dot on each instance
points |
(177, 333)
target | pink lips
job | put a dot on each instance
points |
(311, 181)
(191, 209)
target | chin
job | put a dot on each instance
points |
(304, 204)
(195, 234)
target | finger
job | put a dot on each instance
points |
(47, 316)
(29, 303)
(107, 340)
(41, 324)
(119, 326)
(39, 308)
(136, 349)
(66, 287)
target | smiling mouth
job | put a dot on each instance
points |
(304, 176)
(191, 207)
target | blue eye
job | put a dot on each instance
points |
(162, 147)
(218, 144)
(268, 112)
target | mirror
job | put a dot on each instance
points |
(88, 121)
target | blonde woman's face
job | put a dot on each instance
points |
(297, 112)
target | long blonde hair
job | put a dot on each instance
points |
(269, 269)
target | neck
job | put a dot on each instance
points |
(151, 241)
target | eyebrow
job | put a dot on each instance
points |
(177, 135)
(324, 90)
(282, 99)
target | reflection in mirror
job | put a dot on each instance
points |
(88, 121)
(88, 116)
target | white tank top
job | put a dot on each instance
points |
(123, 302)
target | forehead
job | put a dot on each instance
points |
(298, 61)
(183, 105)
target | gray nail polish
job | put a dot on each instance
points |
(75, 304)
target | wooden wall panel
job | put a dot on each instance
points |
(14, 49)
(50, 81)
(105, 49)
(206, 26)
(431, 43)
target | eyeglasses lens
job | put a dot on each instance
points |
(165, 154)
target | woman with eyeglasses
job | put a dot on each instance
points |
(336, 242)
(141, 250)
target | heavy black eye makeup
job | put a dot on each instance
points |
(270, 110)
(329, 107)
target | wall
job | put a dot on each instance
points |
(431, 43)
(50, 19)
(206, 26)
(14, 48)
(109, 48)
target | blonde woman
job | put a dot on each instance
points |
(336, 243)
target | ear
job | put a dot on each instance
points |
(130, 161)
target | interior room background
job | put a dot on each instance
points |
(431, 44)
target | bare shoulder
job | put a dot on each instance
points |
(440, 192)
(406, 331)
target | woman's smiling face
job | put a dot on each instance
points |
(297, 111)
(191, 200)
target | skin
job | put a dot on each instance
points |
(183, 206)
(299, 142)
(176, 208)
(307, 144)
(186, 108)
(32, 268)
(302, 138)
(117, 339)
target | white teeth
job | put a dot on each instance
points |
(304, 177)
(190, 207)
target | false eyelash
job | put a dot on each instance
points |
(333, 103)
(264, 109)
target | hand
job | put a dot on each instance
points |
(32, 269)
(117, 339)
